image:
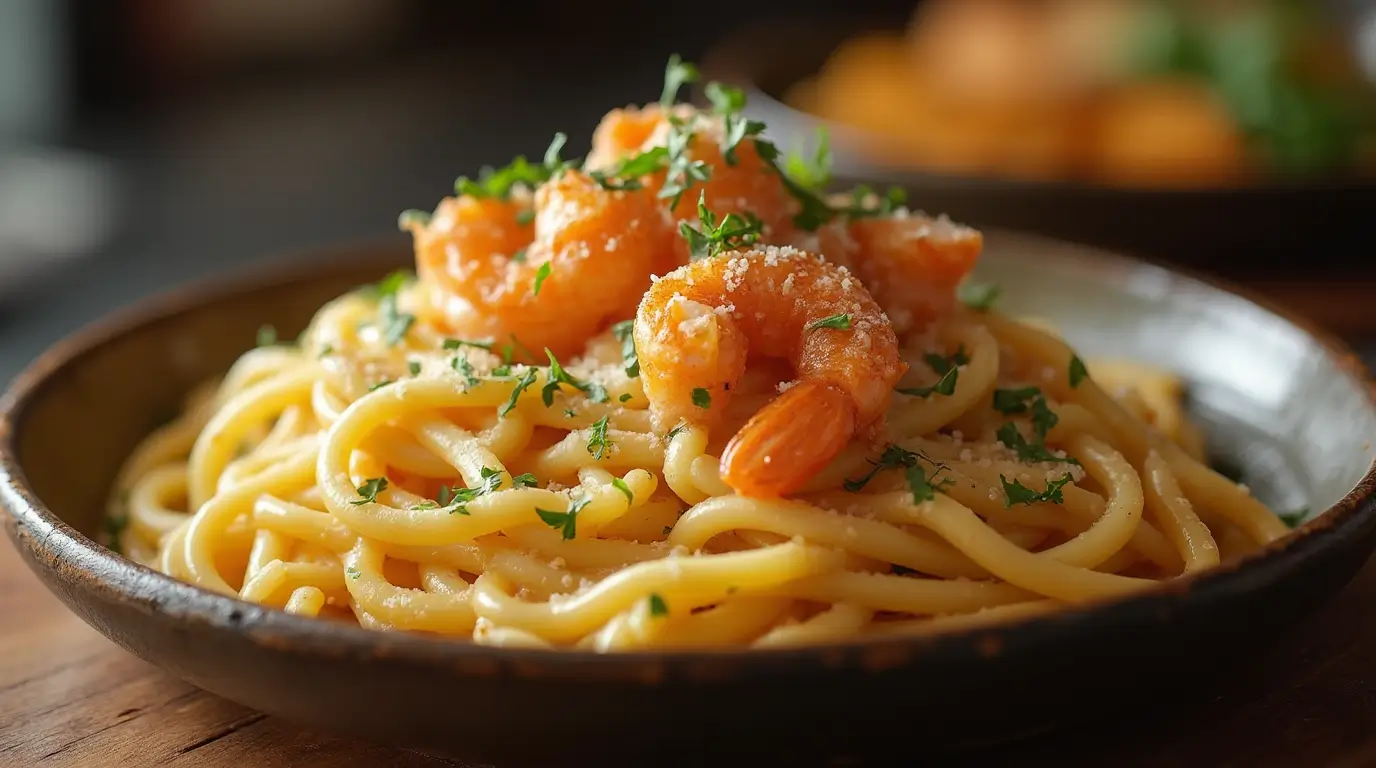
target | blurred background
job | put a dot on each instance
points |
(144, 143)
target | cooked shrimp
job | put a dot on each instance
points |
(748, 186)
(696, 325)
(595, 247)
(911, 263)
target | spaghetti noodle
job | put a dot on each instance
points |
(754, 450)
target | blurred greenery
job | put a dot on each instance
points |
(1253, 59)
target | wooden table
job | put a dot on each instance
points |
(70, 697)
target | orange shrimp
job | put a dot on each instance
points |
(910, 262)
(589, 250)
(748, 186)
(696, 325)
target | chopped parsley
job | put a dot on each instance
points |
(1025, 400)
(412, 217)
(115, 525)
(564, 522)
(1295, 518)
(1017, 493)
(522, 384)
(658, 608)
(683, 171)
(892, 457)
(395, 324)
(352, 572)
(524, 480)
(626, 174)
(326, 351)
(835, 322)
(525, 217)
(541, 275)
(671, 434)
(458, 498)
(620, 485)
(598, 444)
(923, 486)
(558, 376)
(860, 208)
(393, 282)
(625, 397)
(714, 236)
(1012, 401)
(1029, 452)
(728, 102)
(1078, 372)
(677, 73)
(380, 385)
(520, 258)
(948, 367)
(465, 369)
(978, 296)
(702, 398)
(814, 174)
(479, 343)
(414, 367)
(553, 165)
(624, 332)
(369, 490)
(267, 336)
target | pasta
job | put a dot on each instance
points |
(753, 450)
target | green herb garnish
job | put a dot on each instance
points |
(414, 367)
(267, 336)
(522, 384)
(658, 608)
(564, 522)
(541, 275)
(557, 376)
(525, 217)
(948, 367)
(351, 572)
(835, 322)
(1016, 493)
(1078, 372)
(369, 490)
(894, 457)
(624, 332)
(702, 398)
(978, 296)
(713, 236)
(813, 174)
(1294, 519)
(677, 73)
(1030, 453)
(524, 480)
(598, 444)
(620, 485)
(412, 217)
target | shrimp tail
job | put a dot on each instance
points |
(790, 440)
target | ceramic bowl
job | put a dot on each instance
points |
(1288, 405)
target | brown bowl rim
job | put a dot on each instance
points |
(87, 566)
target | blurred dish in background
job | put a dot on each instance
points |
(55, 206)
(1127, 93)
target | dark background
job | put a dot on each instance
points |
(148, 142)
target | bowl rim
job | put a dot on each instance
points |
(735, 57)
(87, 566)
